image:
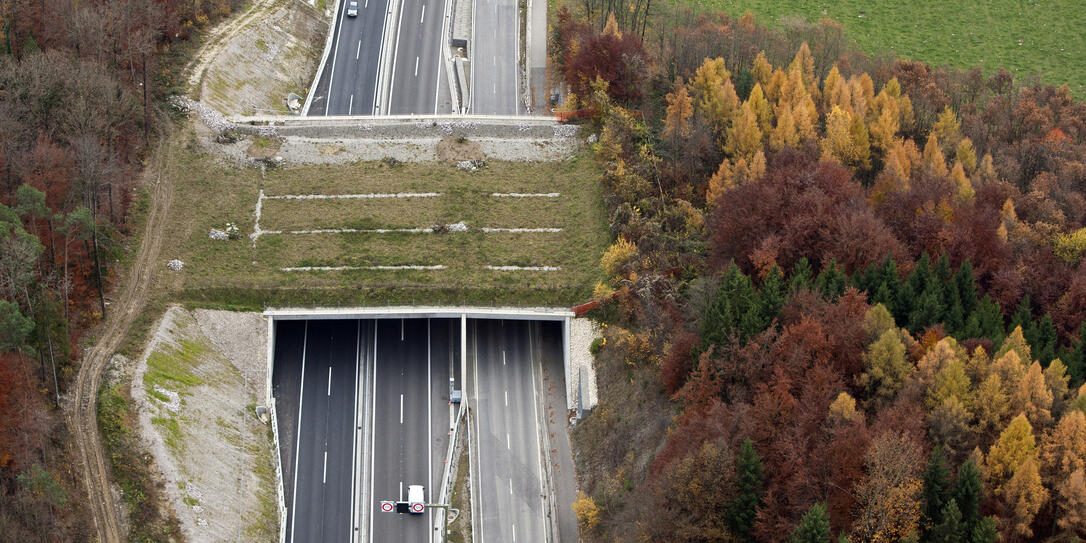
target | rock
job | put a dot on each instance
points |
(175, 265)
(218, 235)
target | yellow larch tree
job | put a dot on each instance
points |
(805, 61)
(829, 88)
(1014, 447)
(843, 410)
(967, 155)
(862, 91)
(1024, 495)
(777, 82)
(990, 404)
(1063, 450)
(721, 181)
(762, 70)
(962, 185)
(846, 140)
(934, 160)
(784, 134)
(884, 129)
(709, 89)
(948, 128)
(1032, 397)
(1071, 502)
(680, 107)
(760, 106)
(745, 137)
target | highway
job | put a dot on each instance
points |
(335, 380)
(418, 82)
(348, 84)
(321, 463)
(494, 62)
(507, 468)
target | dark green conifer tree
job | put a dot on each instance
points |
(1074, 357)
(936, 486)
(986, 321)
(802, 275)
(1043, 341)
(985, 531)
(1023, 316)
(968, 493)
(749, 480)
(814, 527)
(950, 529)
(832, 281)
(966, 285)
(909, 294)
(734, 312)
(772, 296)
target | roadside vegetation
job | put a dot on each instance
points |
(846, 298)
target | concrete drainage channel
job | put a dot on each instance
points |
(350, 384)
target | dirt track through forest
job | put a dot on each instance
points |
(130, 300)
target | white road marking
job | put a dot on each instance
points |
(401, 492)
(297, 448)
(507, 398)
(495, 60)
(367, 4)
(495, 88)
(401, 408)
(503, 358)
(358, 50)
(416, 66)
(373, 412)
(329, 380)
(535, 412)
(508, 446)
(514, 533)
(324, 473)
(510, 487)
(401, 329)
(429, 428)
(350, 106)
(423, 18)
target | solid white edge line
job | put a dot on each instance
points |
(479, 461)
(440, 60)
(352, 527)
(471, 60)
(373, 413)
(429, 428)
(516, 62)
(332, 75)
(298, 438)
(395, 55)
(538, 443)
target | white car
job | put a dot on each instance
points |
(352, 9)
(416, 499)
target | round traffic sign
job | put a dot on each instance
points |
(387, 506)
(416, 507)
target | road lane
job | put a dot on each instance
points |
(494, 59)
(348, 85)
(505, 393)
(322, 489)
(417, 76)
(402, 418)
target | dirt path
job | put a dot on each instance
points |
(215, 40)
(130, 300)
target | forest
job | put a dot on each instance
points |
(846, 295)
(81, 103)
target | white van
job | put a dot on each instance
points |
(416, 499)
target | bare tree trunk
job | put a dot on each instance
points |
(98, 271)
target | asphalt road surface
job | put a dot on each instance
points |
(325, 372)
(494, 62)
(418, 85)
(348, 85)
(505, 393)
(404, 391)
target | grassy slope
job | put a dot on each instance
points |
(234, 273)
(1024, 37)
